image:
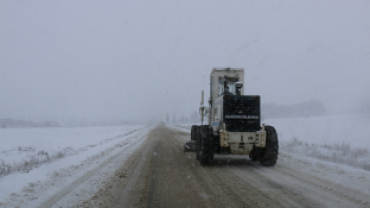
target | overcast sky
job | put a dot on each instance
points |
(137, 60)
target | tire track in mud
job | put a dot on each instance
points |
(172, 186)
(130, 188)
(214, 192)
(249, 189)
(273, 190)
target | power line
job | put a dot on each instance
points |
(335, 46)
(345, 55)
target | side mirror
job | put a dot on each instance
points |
(201, 108)
(238, 86)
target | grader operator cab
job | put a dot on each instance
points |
(234, 122)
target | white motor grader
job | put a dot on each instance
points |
(234, 122)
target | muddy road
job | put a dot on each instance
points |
(161, 174)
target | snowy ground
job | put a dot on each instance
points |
(24, 149)
(343, 139)
(38, 162)
(336, 129)
(66, 167)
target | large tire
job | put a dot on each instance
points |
(206, 145)
(196, 135)
(194, 129)
(197, 148)
(254, 155)
(270, 154)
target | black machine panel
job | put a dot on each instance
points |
(242, 113)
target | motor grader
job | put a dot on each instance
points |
(234, 122)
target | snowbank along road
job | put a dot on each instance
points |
(160, 174)
(68, 179)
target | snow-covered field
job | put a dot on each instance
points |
(36, 162)
(336, 129)
(343, 139)
(27, 148)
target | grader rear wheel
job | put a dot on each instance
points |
(194, 129)
(270, 154)
(206, 145)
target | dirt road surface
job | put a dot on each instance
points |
(161, 174)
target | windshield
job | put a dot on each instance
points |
(230, 82)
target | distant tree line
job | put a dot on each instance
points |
(11, 123)
(193, 118)
(268, 110)
(305, 109)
